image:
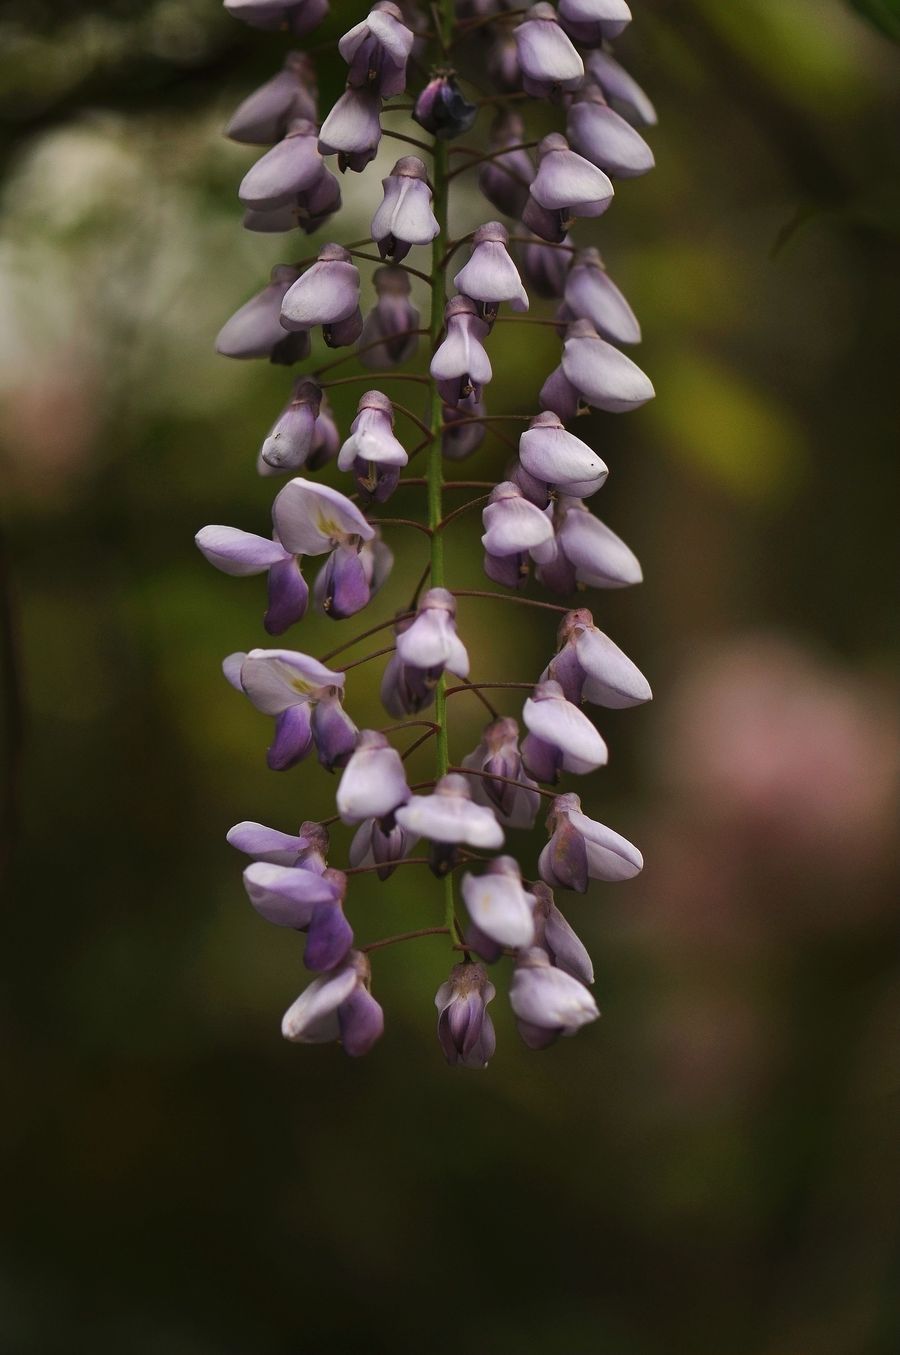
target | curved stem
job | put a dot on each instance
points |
(376, 258)
(458, 512)
(489, 705)
(507, 780)
(400, 522)
(376, 654)
(491, 687)
(364, 635)
(402, 936)
(508, 597)
(413, 140)
(417, 743)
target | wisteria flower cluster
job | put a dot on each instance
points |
(538, 519)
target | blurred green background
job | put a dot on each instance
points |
(711, 1168)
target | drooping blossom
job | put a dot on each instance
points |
(304, 697)
(337, 1006)
(580, 849)
(565, 187)
(590, 667)
(515, 530)
(465, 1030)
(311, 519)
(351, 576)
(498, 903)
(431, 643)
(601, 374)
(373, 783)
(306, 211)
(390, 330)
(372, 449)
(306, 849)
(547, 1001)
(590, 294)
(244, 553)
(558, 458)
(291, 167)
(352, 130)
(621, 89)
(377, 50)
(504, 178)
(265, 115)
(443, 110)
(381, 844)
(406, 689)
(549, 63)
(555, 935)
(404, 217)
(448, 816)
(461, 366)
(327, 294)
(490, 276)
(602, 136)
(290, 441)
(256, 331)
(502, 781)
(560, 736)
(307, 902)
(546, 265)
(590, 22)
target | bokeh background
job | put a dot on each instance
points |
(713, 1167)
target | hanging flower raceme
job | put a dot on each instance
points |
(402, 798)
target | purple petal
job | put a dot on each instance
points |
(361, 1022)
(330, 935)
(239, 553)
(292, 739)
(286, 896)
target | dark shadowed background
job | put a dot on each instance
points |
(712, 1169)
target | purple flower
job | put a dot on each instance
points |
(591, 22)
(581, 849)
(299, 17)
(391, 322)
(305, 211)
(404, 217)
(377, 50)
(603, 376)
(547, 1001)
(599, 134)
(589, 667)
(448, 816)
(352, 129)
(241, 553)
(333, 732)
(255, 331)
(290, 441)
(431, 642)
(545, 267)
(306, 849)
(265, 115)
(587, 552)
(311, 519)
(499, 905)
(461, 365)
(566, 186)
(371, 439)
(513, 527)
(560, 459)
(373, 784)
(351, 577)
(554, 935)
(465, 1031)
(622, 91)
(288, 685)
(549, 63)
(405, 689)
(442, 110)
(462, 433)
(591, 295)
(307, 902)
(559, 735)
(490, 276)
(291, 167)
(337, 1006)
(498, 756)
(504, 179)
(326, 294)
(381, 843)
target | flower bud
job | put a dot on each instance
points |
(601, 374)
(460, 365)
(352, 129)
(599, 134)
(505, 179)
(589, 667)
(558, 458)
(622, 91)
(554, 935)
(499, 905)
(545, 267)
(373, 783)
(351, 576)
(465, 1031)
(372, 437)
(325, 294)
(549, 63)
(382, 843)
(490, 276)
(292, 166)
(442, 109)
(587, 552)
(265, 115)
(449, 816)
(405, 217)
(390, 322)
(591, 295)
(555, 723)
(547, 1001)
(431, 642)
(299, 17)
(337, 1006)
(514, 527)
(591, 22)
(290, 439)
(581, 849)
(377, 50)
(566, 186)
(255, 331)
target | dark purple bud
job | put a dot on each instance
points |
(377, 50)
(599, 134)
(288, 596)
(265, 115)
(298, 17)
(292, 166)
(591, 295)
(545, 267)
(623, 92)
(334, 733)
(442, 109)
(465, 1031)
(342, 584)
(404, 217)
(361, 1022)
(460, 365)
(292, 739)
(330, 935)
(290, 439)
(462, 434)
(382, 843)
(505, 179)
(255, 331)
(602, 375)
(389, 323)
(549, 63)
(352, 129)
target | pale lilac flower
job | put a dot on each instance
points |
(352, 129)
(448, 816)
(566, 186)
(373, 783)
(545, 267)
(498, 755)
(382, 843)
(306, 850)
(442, 109)
(404, 217)
(431, 642)
(337, 1006)
(243, 553)
(549, 63)
(265, 115)
(291, 439)
(589, 667)
(305, 211)
(580, 849)
(377, 50)
(307, 902)
(326, 438)
(555, 935)
(290, 686)
(547, 1001)
(256, 331)
(591, 295)
(311, 519)
(599, 134)
(291, 167)
(462, 434)
(490, 276)
(391, 323)
(559, 736)
(590, 22)
(504, 179)
(465, 1030)
(351, 576)
(622, 91)
(587, 552)
(299, 17)
(405, 689)
(372, 435)
(513, 526)
(326, 294)
(461, 365)
(551, 454)
(499, 905)
(601, 374)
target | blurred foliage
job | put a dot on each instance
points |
(713, 1167)
(884, 14)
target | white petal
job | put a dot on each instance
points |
(312, 1019)
(310, 518)
(565, 179)
(275, 679)
(612, 679)
(610, 856)
(500, 907)
(238, 553)
(563, 725)
(447, 818)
